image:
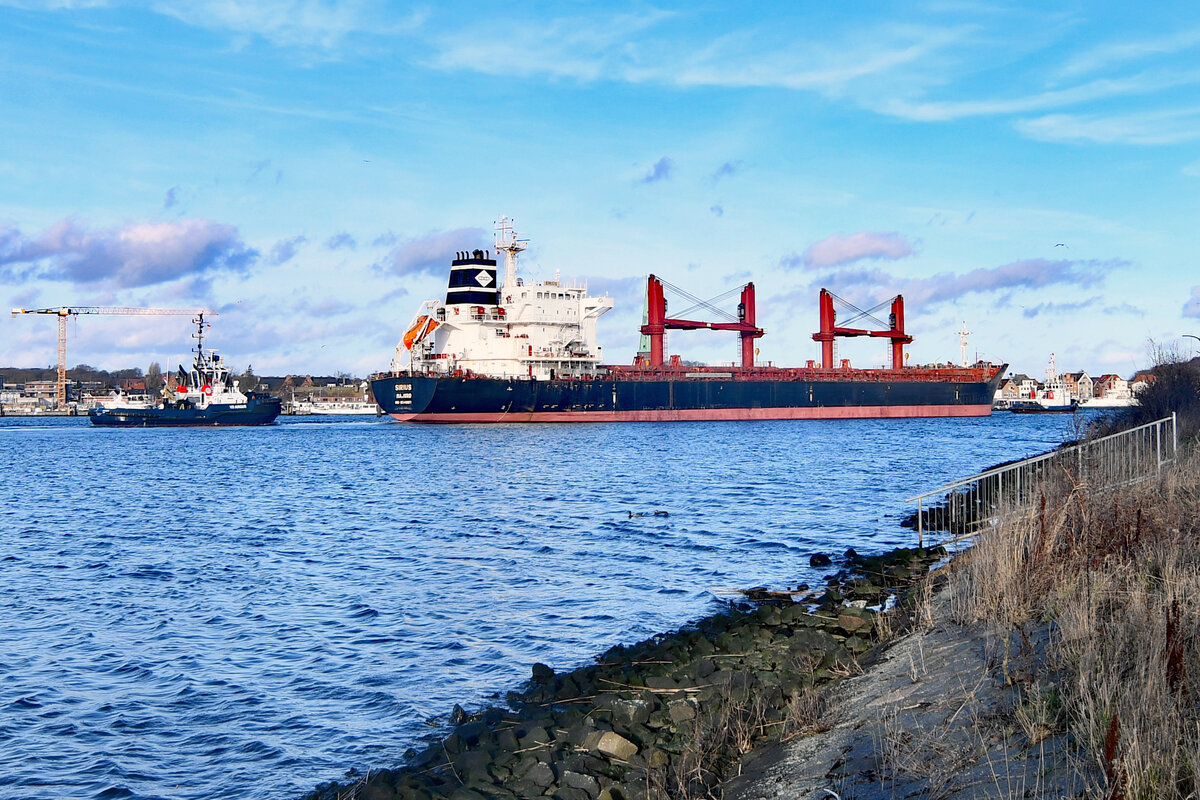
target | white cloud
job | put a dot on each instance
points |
(1110, 55)
(625, 47)
(139, 254)
(583, 48)
(660, 171)
(1192, 307)
(285, 250)
(941, 111)
(1146, 128)
(838, 249)
(53, 5)
(891, 69)
(315, 24)
(1033, 273)
(432, 253)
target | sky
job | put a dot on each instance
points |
(308, 168)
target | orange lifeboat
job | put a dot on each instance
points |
(419, 330)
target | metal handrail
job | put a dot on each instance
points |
(985, 492)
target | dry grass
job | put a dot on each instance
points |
(812, 710)
(1114, 575)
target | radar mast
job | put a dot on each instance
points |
(962, 344)
(508, 243)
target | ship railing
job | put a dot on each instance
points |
(962, 508)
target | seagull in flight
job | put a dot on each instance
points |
(1060, 244)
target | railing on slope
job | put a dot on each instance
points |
(1122, 458)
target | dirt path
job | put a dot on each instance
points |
(931, 718)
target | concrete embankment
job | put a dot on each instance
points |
(670, 716)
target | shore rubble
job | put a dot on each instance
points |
(672, 716)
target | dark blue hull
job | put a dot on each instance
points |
(255, 411)
(951, 393)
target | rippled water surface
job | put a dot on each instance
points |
(243, 613)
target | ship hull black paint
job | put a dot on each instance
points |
(449, 399)
(255, 411)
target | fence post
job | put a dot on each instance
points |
(920, 527)
(1158, 448)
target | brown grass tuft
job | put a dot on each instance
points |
(1114, 574)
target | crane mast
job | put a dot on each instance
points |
(62, 312)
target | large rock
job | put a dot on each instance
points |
(681, 711)
(631, 710)
(577, 780)
(616, 746)
(534, 737)
(540, 775)
(851, 623)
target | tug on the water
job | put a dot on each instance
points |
(205, 395)
(527, 352)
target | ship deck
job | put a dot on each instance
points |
(975, 374)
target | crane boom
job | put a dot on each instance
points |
(62, 312)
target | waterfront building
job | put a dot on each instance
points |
(1079, 385)
(1111, 386)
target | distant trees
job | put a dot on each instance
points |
(248, 381)
(154, 377)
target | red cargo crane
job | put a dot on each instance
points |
(657, 321)
(829, 331)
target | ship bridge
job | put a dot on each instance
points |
(538, 330)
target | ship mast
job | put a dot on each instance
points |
(508, 243)
(962, 344)
(198, 320)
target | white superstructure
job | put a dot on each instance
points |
(538, 330)
(209, 382)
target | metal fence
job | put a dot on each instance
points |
(961, 508)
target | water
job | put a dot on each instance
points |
(243, 613)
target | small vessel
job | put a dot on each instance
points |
(205, 395)
(334, 407)
(528, 352)
(118, 399)
(1052, 397)
(1034, 407)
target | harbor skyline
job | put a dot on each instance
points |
(309, 169)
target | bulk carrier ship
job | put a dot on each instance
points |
(527, 352)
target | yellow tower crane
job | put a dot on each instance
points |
(63, 312)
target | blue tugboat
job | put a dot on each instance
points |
(206, 395)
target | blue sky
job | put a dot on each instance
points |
(308, 169)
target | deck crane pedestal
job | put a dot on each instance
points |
(657, 322)
(830, 330)
(62, 312)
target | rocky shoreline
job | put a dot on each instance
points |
(671, 716)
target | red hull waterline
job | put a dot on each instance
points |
(714, 414)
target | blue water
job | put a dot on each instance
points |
(243, 613)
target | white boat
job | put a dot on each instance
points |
(1108, 402)
(329, 405)
(117, 399)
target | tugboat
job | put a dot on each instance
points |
(206, 395)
